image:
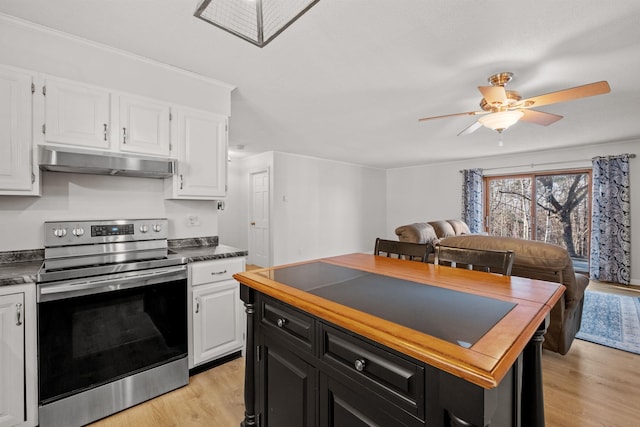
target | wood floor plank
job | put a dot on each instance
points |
(212, 398)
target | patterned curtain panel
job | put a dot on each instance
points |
(610, 258)
(472, 199)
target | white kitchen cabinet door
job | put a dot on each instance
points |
(201, 140)
(18, 356)
(12, 397)
(76, 114)
(17, 175)
(217, 321)
(144, 126)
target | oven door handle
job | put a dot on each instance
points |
(69, 289)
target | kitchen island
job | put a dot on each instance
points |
(366, 340)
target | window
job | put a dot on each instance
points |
(550, 207)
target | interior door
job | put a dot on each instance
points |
(259, 219)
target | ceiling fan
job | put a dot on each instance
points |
(502, 108)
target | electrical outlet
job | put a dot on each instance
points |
(193, 221)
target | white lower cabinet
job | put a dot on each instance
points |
(217, 320)
(18, 405)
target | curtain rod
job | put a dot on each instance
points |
(631, 156)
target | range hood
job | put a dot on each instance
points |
(62, 159)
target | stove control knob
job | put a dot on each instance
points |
(78, 231)
(157, 227)
(144, 228)
(59, 232)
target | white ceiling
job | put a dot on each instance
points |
(350, 78)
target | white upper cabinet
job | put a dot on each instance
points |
(17, 174)
(201, 144)
(76, 114)
(93, 117)
(144, 126)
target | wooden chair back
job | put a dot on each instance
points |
(402, 250)
(493, 261)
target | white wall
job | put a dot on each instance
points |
(72, 196)
(324, 208)
(233, 222)
(318, 207)
(47, 51)
(67, 196)
(431, 192)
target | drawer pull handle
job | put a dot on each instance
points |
(18, 314)
(197, 305)
(281, 322)
(215, 273)
(359, 365)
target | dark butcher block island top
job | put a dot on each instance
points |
(367, 339)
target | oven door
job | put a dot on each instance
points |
(94, 333)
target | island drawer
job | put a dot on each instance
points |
(398, 379)
(288, 322)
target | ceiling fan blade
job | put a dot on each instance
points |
(591, 89)
(539, 117)
(470, 129)
(470, 113)
(494, 95)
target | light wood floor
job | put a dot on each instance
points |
(592, 385)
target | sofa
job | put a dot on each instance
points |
(535, 260)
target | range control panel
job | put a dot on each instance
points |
(68, 233)
(111, 230)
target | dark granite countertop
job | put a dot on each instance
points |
(206, 253)
(21, 267)
(18, 273)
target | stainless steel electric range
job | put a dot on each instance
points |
(112, 318)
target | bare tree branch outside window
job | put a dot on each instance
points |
(550, 207)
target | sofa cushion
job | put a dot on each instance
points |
(419, 232)
(443, 229)
(459, 226)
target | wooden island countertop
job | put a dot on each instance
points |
(483, 362)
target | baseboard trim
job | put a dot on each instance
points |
(217, 362)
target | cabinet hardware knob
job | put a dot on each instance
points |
(359, 365)
(281, 322)
(18, 314)
(253, 223)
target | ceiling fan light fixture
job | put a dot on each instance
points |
(256, 21)
(501, 120)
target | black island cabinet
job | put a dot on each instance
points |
(306, 366)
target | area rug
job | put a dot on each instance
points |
(611, 320)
